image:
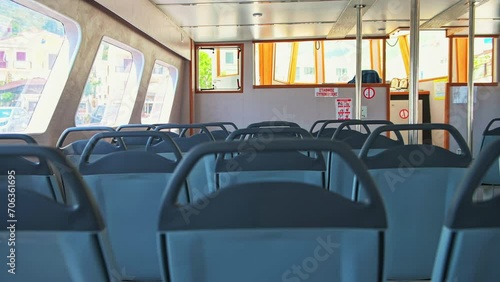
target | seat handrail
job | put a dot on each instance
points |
(487, 129)
(170, 208)
(463, 212)
(365, 124)
(84, 159)
(183, 129)
(320, 121)
(85, 209)
(271, 123)
(135, 126)
(18, 136)
(221, 124)
(69, 130)
(268, 131)
(363, 154)
(334, 121)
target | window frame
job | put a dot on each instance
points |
(131, 87)
(59, 74)
(319, 57)
(197, 47)
(453, 64)
(175, 80)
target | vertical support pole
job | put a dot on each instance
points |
(414, 60)
(470, 80)
(359, 58)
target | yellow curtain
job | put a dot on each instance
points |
(376, 56)
(293, 63)
(266, 51)
(405, 52)
(461, 55)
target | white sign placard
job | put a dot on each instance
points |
(326, 92)
(344, 108)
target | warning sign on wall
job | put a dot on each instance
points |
(326, 92)
(404, 114)
(369, 93)
(344, 108)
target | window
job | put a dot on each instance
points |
(112, 85)
(483, 59)
(305, 68)
(313, 62)
(282, 61)
(227, 64)
(21, 56)
(340, 60)
(484, 65)
(160, 95)
(394, 59)
(30, 88)
(219, 68)
(433, 54)
(3, 62)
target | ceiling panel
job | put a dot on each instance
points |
(399, 9)
(266, 32)
(241, 14)
(200, 2)
(232, 20)
(379, 28)
(490, 9)
(483, 26)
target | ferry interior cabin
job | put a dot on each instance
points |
(249, 140)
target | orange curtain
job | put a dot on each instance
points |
(405, 52)
(266, 51)
(461, 55)
(376, 56)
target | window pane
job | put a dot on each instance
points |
(205, 68)
(104, 95)
(394, 60)
(340, 59)
(27, 37)
(305, 71)
(228, 63)
(160, 95)
(283, 56)
(433, 54)
(483, 59)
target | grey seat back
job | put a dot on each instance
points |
(36, 176)
(127, 186)
(269, 133)
(491, 135)
(202, 175)
(221, 132)
(417, 183)
(272, 166)
(469, 247)
(271, 231)
(135, 142)
(53, 241)
(74, 150)
(273, 123)
(324, 131)
(340, 178)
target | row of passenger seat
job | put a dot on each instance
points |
(216, 223)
